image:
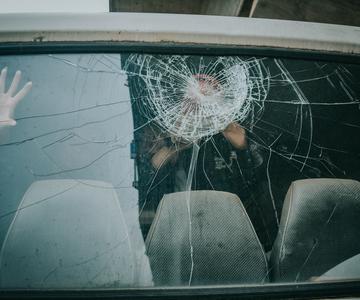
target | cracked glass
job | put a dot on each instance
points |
(143, 170)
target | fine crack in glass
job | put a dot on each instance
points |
(157, 124)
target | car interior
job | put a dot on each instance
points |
(97, 192)
(224, 250)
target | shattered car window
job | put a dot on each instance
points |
(139, 170)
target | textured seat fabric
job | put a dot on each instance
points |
(348, 269)
(71, 234)
(226, 249)
(319, 228)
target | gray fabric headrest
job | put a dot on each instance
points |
(71, 234)
(225, 246)
(319, 228)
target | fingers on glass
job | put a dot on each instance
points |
(22, 93)
(9, 122)
(2, 80)
(14, 83)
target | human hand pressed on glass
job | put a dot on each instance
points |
(234, 133)
(169, 153)
(10, 98)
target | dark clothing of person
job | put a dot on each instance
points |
(219, 167)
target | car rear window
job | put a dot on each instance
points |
(148, 170)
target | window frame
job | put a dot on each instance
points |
(309, 290)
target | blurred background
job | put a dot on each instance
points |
(345, 12)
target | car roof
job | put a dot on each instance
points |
(176, 28)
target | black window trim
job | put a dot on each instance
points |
(311, 290)
(28, 48)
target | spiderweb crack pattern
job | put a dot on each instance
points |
(191, 101)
